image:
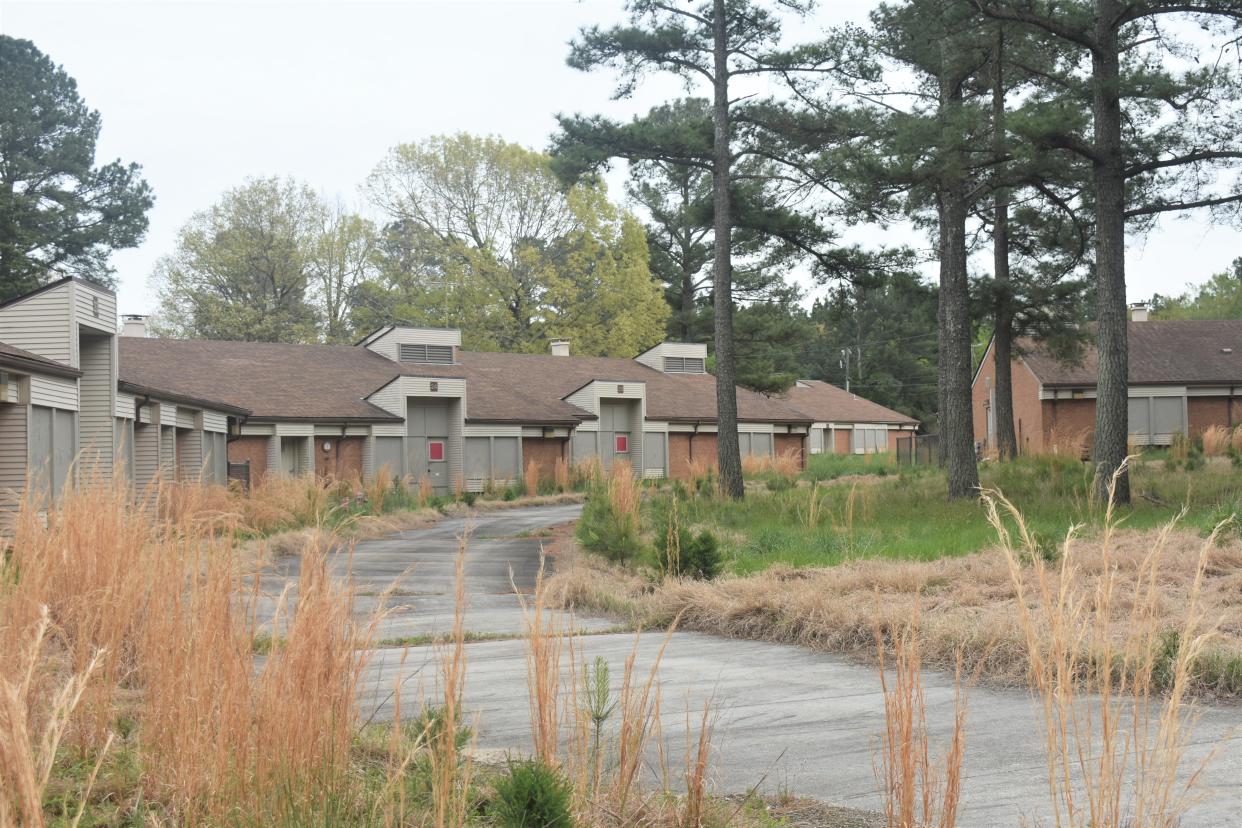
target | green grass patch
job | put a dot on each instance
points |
(905, 514)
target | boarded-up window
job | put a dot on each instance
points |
(683, 365)
(870, 439)
(653, 452)
(584, 446)
(478, 463)
(506, 458)
(428, 354)
(1156, 419)
(761, 444)
(390, 452)
(435, 451)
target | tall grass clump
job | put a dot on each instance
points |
(1115, 745)
(530, 478)
(609, 524)
(919, 789)
(1216, 441)
(138, 611)
(562, 476)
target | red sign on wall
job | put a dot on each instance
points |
(435, 450)
(623, 444)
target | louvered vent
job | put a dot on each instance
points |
(683, 365)
(427, 354)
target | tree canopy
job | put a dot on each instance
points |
(484, 237)
(60, 214)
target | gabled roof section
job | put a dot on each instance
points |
(826, 403)
(64, 280)
(1165, 352)
(274, 381)
(22, 360)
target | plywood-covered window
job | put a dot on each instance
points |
(870, 439)
(427, 354)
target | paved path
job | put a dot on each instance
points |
(790, 718)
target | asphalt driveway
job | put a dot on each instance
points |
(790, 720)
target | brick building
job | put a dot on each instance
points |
(75, 391)
(1185, 376)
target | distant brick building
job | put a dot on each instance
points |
(1185, 376)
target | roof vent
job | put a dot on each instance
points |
(560, 347)
(1226, 350)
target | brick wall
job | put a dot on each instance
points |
(791, 442)
(685, 448)
(544, 452)
(254, 449)
(1069, 426)
(1202, 412)
(1028, 413)
(843, 441)
(342, 460)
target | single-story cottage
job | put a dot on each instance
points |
(410, 399)
(1184, 376)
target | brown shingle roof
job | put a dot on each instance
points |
(1168, 352)
(504, 387)
(15, 357)
(826, 403)
(272, 380)
(279, 381)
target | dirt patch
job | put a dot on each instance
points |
(967, 604)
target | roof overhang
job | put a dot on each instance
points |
(38, 366)
(181, 399)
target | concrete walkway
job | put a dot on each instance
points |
(790, 719)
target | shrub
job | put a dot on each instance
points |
(609, 521)
(533, 795)
(779, 484)
(679, 552)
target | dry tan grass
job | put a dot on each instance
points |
(1216, 441)
(787, 464)
(969, 603)
(530, 479)
(142, 602)
(1235, 438)
(1116, 758)
(919, 789)
(562, 476)
(1071, 442)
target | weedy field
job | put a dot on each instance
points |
(131, 692)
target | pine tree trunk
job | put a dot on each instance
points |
(956, 425)
(1108, 174)
(728, 452)
(1002, 347)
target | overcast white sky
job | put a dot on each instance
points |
(205, 94)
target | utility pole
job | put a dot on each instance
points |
(844, 362)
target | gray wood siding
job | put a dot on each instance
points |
(12, 458)
(42, 324)
(168, 452)
(190, 454)
(54, 392)
(94, 308)
(96, 434)
(146, 455)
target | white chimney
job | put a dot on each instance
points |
(560, 347)
(1138, 312)
(134, 324)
